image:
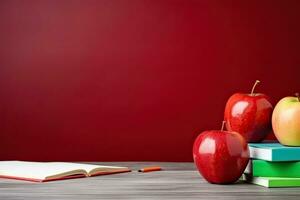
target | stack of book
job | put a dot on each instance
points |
(273, 165)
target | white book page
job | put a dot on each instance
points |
(264, 154)
(37, 170)
(94, 169)
(42, 170)
(89, 167)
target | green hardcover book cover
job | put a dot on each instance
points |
(275, 169)
(273, 182)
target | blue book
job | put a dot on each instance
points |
(274, 152)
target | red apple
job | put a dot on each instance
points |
(286, 121)
(220, 156)
(249, 114)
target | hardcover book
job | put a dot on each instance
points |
(273, 182)
(274, 169)
(274, 152)
(50, 171)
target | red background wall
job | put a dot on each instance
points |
(133, 80)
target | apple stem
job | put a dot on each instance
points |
(253, 88)
(223, 124)
(297, 95)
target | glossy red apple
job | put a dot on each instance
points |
(220, 156)
(249, 114)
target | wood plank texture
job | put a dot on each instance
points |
(176, 181)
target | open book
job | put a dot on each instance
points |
(49, 171)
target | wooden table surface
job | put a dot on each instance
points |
(176, 181)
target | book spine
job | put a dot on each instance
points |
(287, 154)
(262, 168)
(284, 183)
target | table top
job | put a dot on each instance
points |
(176, 181)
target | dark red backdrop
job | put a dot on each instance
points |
(132, 80)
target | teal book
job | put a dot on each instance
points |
(274, 152)
(273, 182)
(262, 168)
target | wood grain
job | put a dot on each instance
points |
(176, 181)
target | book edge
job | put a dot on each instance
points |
(259, 153)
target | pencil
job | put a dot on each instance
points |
(150, 169)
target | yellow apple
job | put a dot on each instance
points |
(286, 121)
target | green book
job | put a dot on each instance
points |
(273, 182)
(275, 169)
